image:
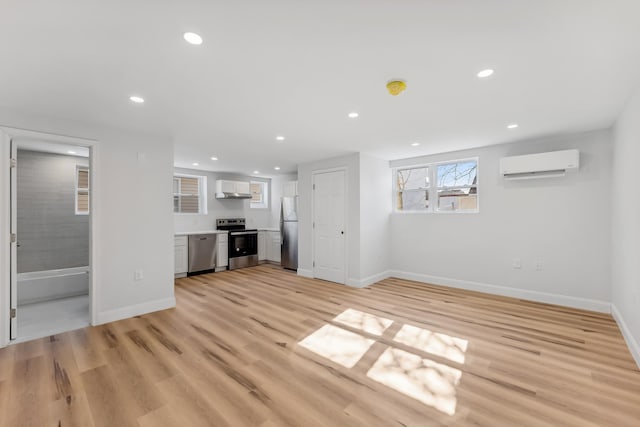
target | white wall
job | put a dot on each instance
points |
(562, 222)
(133, 211)
(625, 259)
(230, 208)
(375, 207)
(352, 233)
(367, 223)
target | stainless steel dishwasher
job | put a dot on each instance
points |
(203, 251)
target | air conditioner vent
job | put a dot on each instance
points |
(541, 165)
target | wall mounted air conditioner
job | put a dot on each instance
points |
(541, 165)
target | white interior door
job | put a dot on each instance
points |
(329, 226)
(13, 309)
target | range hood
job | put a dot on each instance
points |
(233, 196)
(226, 189)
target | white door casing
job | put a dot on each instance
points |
(5, 231)
(8, 299)
(13, 252)
(329, 220)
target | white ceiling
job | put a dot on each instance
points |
(296, 68)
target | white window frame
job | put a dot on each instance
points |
(78, 189)
(202, 193)
(426, 189)
(265, 195)
(433, 187)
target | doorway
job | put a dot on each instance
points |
(52, 214)
(48, 197)
(329, 218)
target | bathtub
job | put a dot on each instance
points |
(52, 284)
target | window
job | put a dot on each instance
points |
(189, 194)
(413, 189)
(454, 188)
(457, 186)
(82, 190)
(259, 195)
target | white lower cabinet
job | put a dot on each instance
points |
(262, 245)
(223, 252)
(269, 246)
(181, 256)
(274, 247)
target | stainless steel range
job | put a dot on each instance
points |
(243, 243)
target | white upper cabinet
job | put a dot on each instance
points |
(223, 186)
(226, 189)
(243, 187)
(290, 189)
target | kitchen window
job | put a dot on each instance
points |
(82, 190)
(259, 195)
(438, 187)
(189, 194)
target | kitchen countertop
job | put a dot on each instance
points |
(188, 233)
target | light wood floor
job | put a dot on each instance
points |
(261, 346)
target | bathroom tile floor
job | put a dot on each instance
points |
(52, 317)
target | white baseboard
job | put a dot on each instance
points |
(634, 348)
(134, 310)
(567, 301)
(305, 273)
(361, 283)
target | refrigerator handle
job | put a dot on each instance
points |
(281, 221)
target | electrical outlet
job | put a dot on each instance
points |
(517, 264)
(138, 275)
(538, 265)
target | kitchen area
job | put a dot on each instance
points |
(229, 221)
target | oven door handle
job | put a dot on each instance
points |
(244, 233)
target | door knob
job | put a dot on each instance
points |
(342, 232)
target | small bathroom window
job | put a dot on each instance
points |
(82, 190)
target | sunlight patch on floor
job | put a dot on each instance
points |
(338, 345)
(367, 322)
(439, 344)
(429, 382)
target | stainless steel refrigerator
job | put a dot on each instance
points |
(289, 232)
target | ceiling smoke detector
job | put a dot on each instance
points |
(396, 87)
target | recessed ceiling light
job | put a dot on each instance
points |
(214, 158)
(415, 144)
(512, 126)
(136, 99)
(195, 164)
(485, 73)
(71, 152)
(256, 172)
(277, 168)
(353, 115)
(193, 38)
(280, 138)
